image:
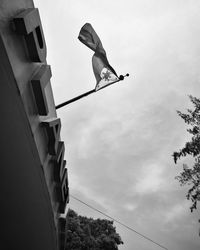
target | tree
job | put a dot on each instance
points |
(191, 175)
(84, 233)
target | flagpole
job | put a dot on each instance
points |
(75, 99)
(121, 77)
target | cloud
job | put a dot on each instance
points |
(176, 212)
(151, 180)
(129, 206)
(119, 141)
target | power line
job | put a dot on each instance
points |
(119, 222)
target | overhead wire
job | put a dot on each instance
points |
(119, 222)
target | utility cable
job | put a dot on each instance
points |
(119, 222)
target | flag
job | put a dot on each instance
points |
(104, 73)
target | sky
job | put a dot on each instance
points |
(119, 141)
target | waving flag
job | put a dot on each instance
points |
(104, 73)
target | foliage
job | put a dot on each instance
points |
(191, 175)
(84, 233)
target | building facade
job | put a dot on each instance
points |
(34, 176)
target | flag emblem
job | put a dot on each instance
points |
(105, 74)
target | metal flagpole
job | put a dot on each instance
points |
(121, 77)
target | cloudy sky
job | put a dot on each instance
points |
(119, 141)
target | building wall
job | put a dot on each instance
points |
(34, 180)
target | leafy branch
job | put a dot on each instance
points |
(191, 175)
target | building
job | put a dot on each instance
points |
(34, 179)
